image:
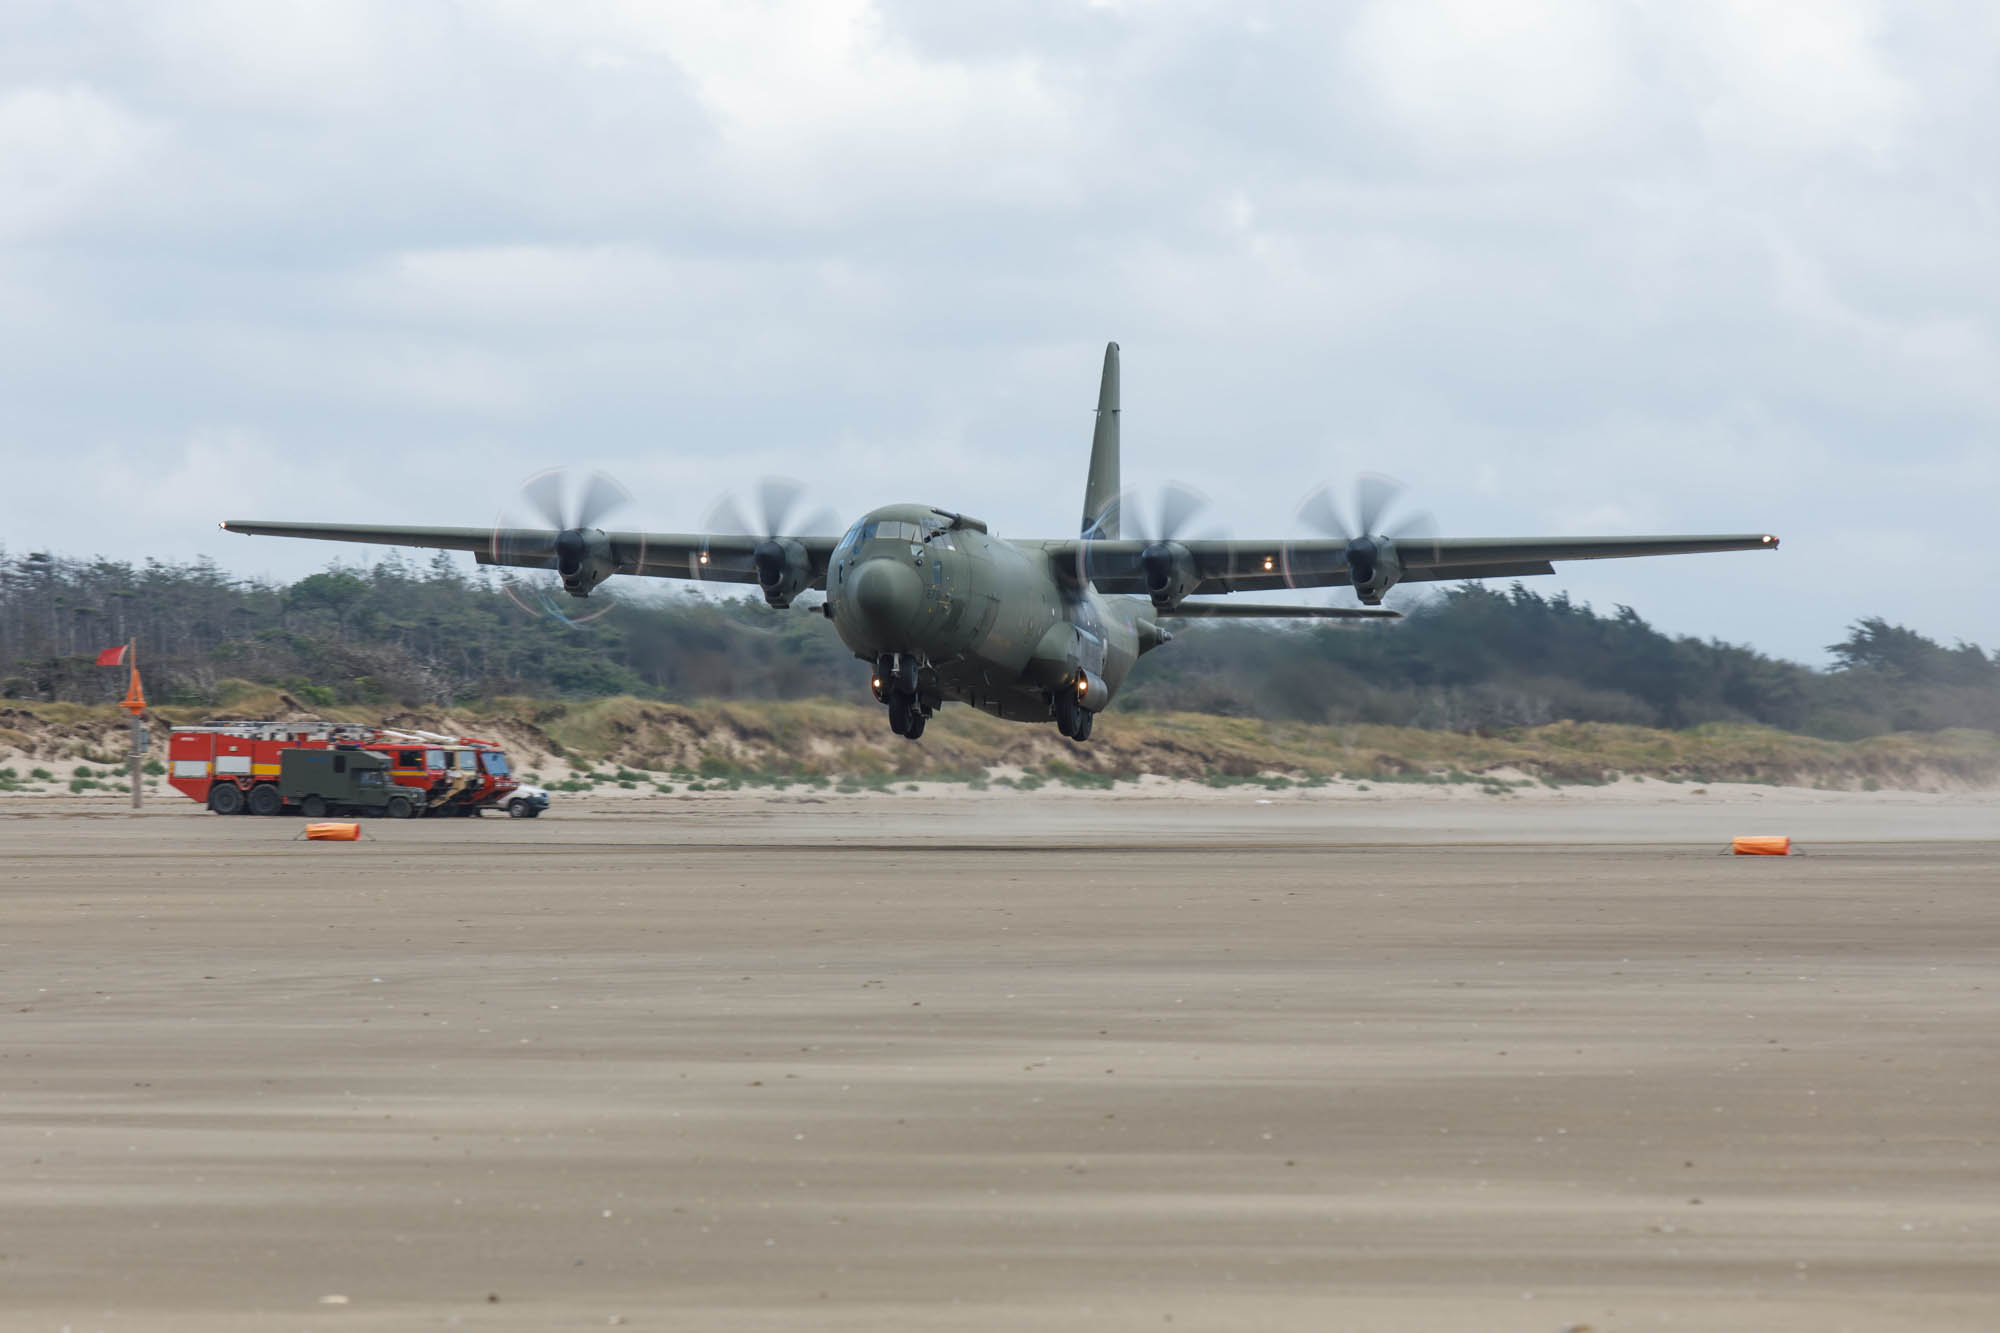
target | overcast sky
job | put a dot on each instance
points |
(1593, 267)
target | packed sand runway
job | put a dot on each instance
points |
(1050, 1061)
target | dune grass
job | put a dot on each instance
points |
(622, 740)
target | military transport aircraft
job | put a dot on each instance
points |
(1034, 630)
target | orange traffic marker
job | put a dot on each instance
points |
(1762, 846)
(333, 832)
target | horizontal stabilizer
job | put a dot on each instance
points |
(1255, 611)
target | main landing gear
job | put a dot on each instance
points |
(1072, 719)
(896, 685)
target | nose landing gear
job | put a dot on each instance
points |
(896, 685)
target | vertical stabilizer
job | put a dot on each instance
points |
(1100, 493)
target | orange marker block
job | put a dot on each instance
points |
(333, 833)
(1775, 846)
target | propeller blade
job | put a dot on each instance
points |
(775, 498)
(725, 515)
(1320, 514)
(601, 495)
(820, 523)
(1415, 532)
(544, 494)
(1373, 495)
(1178, 506)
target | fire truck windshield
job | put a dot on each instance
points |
(496, 763)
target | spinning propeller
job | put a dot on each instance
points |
(1371, 547)
(782, 566)
(575, 505)
(1169, 516)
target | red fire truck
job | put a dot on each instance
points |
(232, 767)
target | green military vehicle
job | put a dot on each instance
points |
(342, 781)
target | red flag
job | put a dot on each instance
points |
(114, 656)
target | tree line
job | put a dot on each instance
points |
(1466, 658)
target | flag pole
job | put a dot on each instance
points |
(138, 729)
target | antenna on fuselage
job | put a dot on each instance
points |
(1100, 493)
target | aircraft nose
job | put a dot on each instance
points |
(886, 596)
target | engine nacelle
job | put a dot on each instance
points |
(1374, 566)
(784, 570)
(584, 559)
(1168, 570)
(1092, 694)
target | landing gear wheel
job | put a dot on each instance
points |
(226, 798)
(313, 807)
(264, 800)
(900, 712)
(1066, 713)
(1084, 719)
(916, 724)
(399, 807)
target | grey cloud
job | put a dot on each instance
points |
(1559, 266)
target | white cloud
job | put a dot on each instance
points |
(64, 148)
(1796, 76)
(1472, 78)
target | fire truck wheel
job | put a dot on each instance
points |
(313, 807)
(399, 807)
(264, 800)
(226, 798)
(517, 809)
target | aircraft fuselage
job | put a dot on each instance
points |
(989, 622)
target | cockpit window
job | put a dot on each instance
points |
(887, 529)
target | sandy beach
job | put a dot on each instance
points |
(1416, 1058)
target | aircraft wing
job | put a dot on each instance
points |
(710, 557)
(1263, 566)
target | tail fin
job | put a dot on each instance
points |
(1100, 493)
